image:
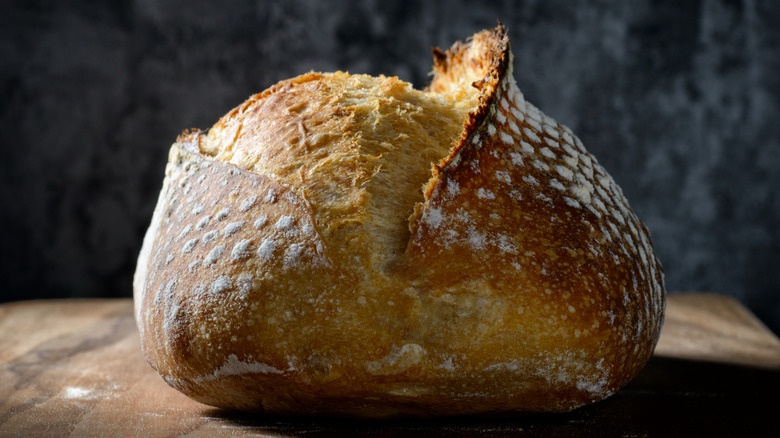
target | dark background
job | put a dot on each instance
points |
(679, 100)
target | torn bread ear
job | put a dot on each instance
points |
(464, 66)
(481, 65)
(477, 67)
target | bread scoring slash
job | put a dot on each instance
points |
(347, 245)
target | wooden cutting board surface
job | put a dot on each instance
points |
(74, 368)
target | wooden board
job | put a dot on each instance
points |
(74, 368)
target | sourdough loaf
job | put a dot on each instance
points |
(347, 245)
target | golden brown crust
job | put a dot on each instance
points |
(304, 258)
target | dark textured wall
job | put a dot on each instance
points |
(680, 101)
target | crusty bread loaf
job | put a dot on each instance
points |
(306, 257)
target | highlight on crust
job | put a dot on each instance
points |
(343, 244)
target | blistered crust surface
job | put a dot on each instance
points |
(566, 252)
(521, 194)
(224, 238)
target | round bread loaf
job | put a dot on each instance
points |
(347, 245)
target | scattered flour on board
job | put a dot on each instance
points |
(78, 392)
